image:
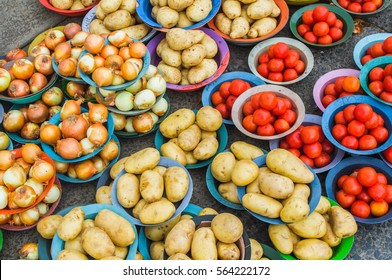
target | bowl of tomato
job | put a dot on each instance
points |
(268, 112)
(358, 125)
(281, 61)
(372, 46)
(308, 142)
(362, 186)
(363, 8)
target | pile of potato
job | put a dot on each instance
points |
(149, 189)
(193, 137)
(107, 237)
(180, 13)
(72, 4)
(118, 15)
(314, 237)
(187, 56)
(242, 19)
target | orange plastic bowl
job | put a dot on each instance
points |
(68, 13)
(282, 20)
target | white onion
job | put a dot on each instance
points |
(29, 251)
(87, 146)
(43, 208)
(154, 117)
(4, 141)
(53, 195)
(144, 99)
(75, 52)
(151, 72)
(14, 177)
(37, 186)
(117, 80)
(129, 125)
(161, 107)
(106, 93)
(99, 163)
(3, 197)
(61, 167)
(87, 63)
(72, 172)
(15, 220)
(119, 121)
(157, 84)
(29, 217)
(124, 101)
(79, 38)
(137, 86)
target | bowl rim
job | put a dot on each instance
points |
(297, 45)
(322, 81)
(283, 19)
(367, 42)
(280, 91)
(309, 120)
(226, 77)
(47, 5)
(340, 13)
(385, 4)
(340, 104)
(352, 163)
(40, 37)
(364, 73)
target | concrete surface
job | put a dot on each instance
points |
(20, 23)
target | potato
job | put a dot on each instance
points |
(184, 77)
(276, 186)
(208, 211)
(244, 14)
(169, 56)
(199, 10)
(202, 71)
(176, 183)
(71, 224)
(294, 238)
(295, 210)
(47, 226)
(97, 243)
(209, 119)
(151, 186)
(180, 39)
(231, 8)
(97, 27)
(118, 20)
(275, 9)
(179, 5)
(227, 228)
(183, 20)
(186, 217)
(190, 159)
(179, 257)
(118, 228)
(330, 237)
(110, 6)
(67, 254)
(158, 233)
(301, 191)
(206, 134)
(262, 27)
(177, 122)
(142, 160)
(262, 205)
(154, 12)
(160, 169)
(157, 212)
(62, 4)
(239, 28)
(179, 239)
(128, 193)
(228, 251)
(111, 258)
(174, 152)
(313, 226)
(193, 55)
(253, 187)
(223, 23)
(139, 208)
(203, 245)
(117, 167)
(280, 237)
(189, 138)
(206, 149)
(138, 31)
(259, 9)
(99, 13)
(342, 222)
(77, 5)
(128, 5)
(88, 223)
(312, 249)
(229, 192)
(247, 1)
(245, 172)
(256, 249)
(157, 250)
(75, 244)
(222, 166)
(243, 150)
(323, 206)
(103, 195)
(171, 74)
(138, 256)
(210, 46)
(285, 163)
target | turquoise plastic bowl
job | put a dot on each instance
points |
(365, 43)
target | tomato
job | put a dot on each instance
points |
(364, 196)
(379, 208)
(387, 45)
(369, 7)
(295, 152)
(248, 108)
(341, 180)
(307, 160)
(377, 192)
(223, 110)
(310, 37)
(363, 112)
(352, 186)
(339, 84)
(289, 75)
(325, 40)
(388, 68)
(380, 133)
(255, 100)
(344, 3)
(386, 96)
(320, 13)
(327, 99)
(230, 101)
(322, 160)
(376, 87)
(237, 87)
(271, 51)
(388, 195)
(381, 178)
(290, 116)
(307, 17)
(360, 209)
(354, 7)
(300, 67)
(283, 143)
(351, 84)
(387, 83)
(345, 200)
(216, 98)
(366, 58)
(350, 142)
(380, 121)
(377, 50)
(330, 90)
(294, 140)
(335, 33)
(339, 131)
(338, 24)
(367, 176)
(276, 65)
(280, 50)
(291, 59)
(378, 3)
(367, 142)
(328, 147)
(264, 58)
(262, 69)
(268, 100)
(261, 116)
(388, 154)
(249, 124)
(320, 29)
(273, 119)
(310, 134)
(280, 107)
(312, 150)
(224, 89)
(275, 76)
(287, 103)
(376, 74)
(339, 118)
(266, 130)
(281, 126)
(331, 18)
(303, 28)
(348, 113)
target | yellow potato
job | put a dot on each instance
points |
(312, 249)
(210, 45)
(151, 186)
(222, 166)
(231, 8)
(190, 159)
(208, 211)
(138, 208)
(99, 13)
(157, 250)
(294, 238)
(228, 251)
(97, 243)
(243, 150)
(169, 56)
(342, 222)
(259, 9)
(157, 212)
(256, 249)
(239, 28)
(276, 186)
(117, 167)
(88, 223)
(301, 191)
(281, 238)
(128, 193)
(262, 205)
(330, 237)
(229, 192)
(183, 20)
(142, 160)
(223, 23)
(262, 27)
(179, 5)
(103, 195)
(199, 10)
(111, 258)
(209, 119)
(206, 149)
(177, 122)
(138, 31)
(203, 245)
(128, 5)
(109, 6)
(180, 39)
(171, 74)
(323, 206)
(97, 27)
(294, 210)
(75, 244)
(173, 151)
(227, 228)
(158, 233)
(179, 238)
(193, 55)
(138, 256)
(167, 17)
(179, 257)
(71, 255)
(253, 187)
(47, 226)
(204, 70)
(313, 226)
(121, 252)
(275, 9)
(160, 169)
(176, 183)
(71, 224)
(245, 172)
(206, 134)
(189, 138)
(118, 20)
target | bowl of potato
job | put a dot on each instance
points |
(95, 231)
(247, 24)
(326, 234)
(192, 138)
(69, 8)
(296, 190)
(188, 14)
(202, 53)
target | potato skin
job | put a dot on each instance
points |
(256, 249)
(179, 239)
(313, 226)
(173, 151)
(295, 210)
(180, 39)
(189, 138)
(47, 226)
(128, 193)
(176, 183)
(138, 31)
(312, 249)
(193, 55)
(223, 23)
(151, 186)
(179, 257)
(210, 45)
(157, 212)
(280, 237)
(342, 222)
(199, 10)
(67, 254)
(177, 122)
(118, 20)
(228, 251)
(203, 245)
(222, 166)
(227, 228)
(167, 17)
(323, 206)
(103, 195)
(206, 149)
(276, 186)
(142, 160)
(229, 192)
(97, 243)
(109, 6)
(209, 119)
(117, 167)
(171, 74)
(262, 204)
(71, 225)
(158, 233)
(245, 172)
(243, 150)
(157, 250)
(202, 71)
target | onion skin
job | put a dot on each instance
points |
(16, 53)
(18, 88)
(62, 51)
(97, 113)
(129, 70)
(114, 62)
(75, 127)
(31, 152)
(79, 38)
(25, 196)
(13, 121)
(103, 76)
(53, 38)
(94, 43)
(4, 218)
(108, 50)
(3, 197)
(37, 113)
(4, 141)
(70, 108)
(5, 79)
(119, 121)
(29, 251)
(7, 159)
(37, 50)
(143, 123)
(53, 96)
(42, 171)
(37, 82)
(14, 177)
(61, 167)
(75, 89)
(21, 162)
(69, 148)
(87, 63)
(85, 169)
(97, 134)
(67, 67)
(54, 110)
(22, 69)
(29, 217)
(53, 195)
(30, 131)
(50, 134)
(43, 64)
(71, 29)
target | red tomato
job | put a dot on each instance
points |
(367, 176)
(275, 76)
(377, 192)
(327, 99)
(339, 84)
(338, 24)
(303, 28)
(307, 160)
(291, 59)
(379, 208)
(216, 98)
(276, 65)
(381, 179)
(310, 134)
(255, 100)
(322, 160)
(378, 3)
(344, 3)
(330, 90)
(387, 83)
(368, 7)
(248, 108)
(367, 142)
(325, 40)
(345, 200)
(380, 133)
(350, 142)
(320, 29)
(328, 147)
(280, 107)
(360, 209)
(262, 69)
(300, 67)
(223, 110)
(354, 7)
(386, 96)
(341, 180)
(237, 87)
(294, 140)
(366, 58)
(320, 13)
(339, 118)
(388, 68)
(281, 126)
(271, 51)
(331, 18)
(268, 100)
(295, 152)
(264, 58)
(351, 84)
(261, 116)
(376, 87)
(377, 50)
(248, 124)
(287, 103)
(273, 119)
(289, 75)
(224, 89)
(388, 154)
(230, 101)
(356, 128)
(376, 74)
(335, 33)
(283, 143)
(339, 131)
(312, 150)
(348, 113)
(280, 50)
(310, 37)
(307, 17)
(290, 116)
(388, 196)
(266, 130)
(387, 45)
(352, 186)
(380, 121)
(364, 196)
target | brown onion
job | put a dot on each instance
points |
(30, 131)
(11, 202)
(37, 113)
(117, 79)
(14, 177)
(15, 220)
(16, 53)
(37, 82)
(108, 50)
(125, 53)
(53, 195)
(14, 120)
(7, 159)
(1, 177)
(76, 51)
(119, 38)
(142, 123)
(62, 51)
(99, 163)
(94, 43)
(29, 217)
(52, 96)
(97, 113)
(110, 151)
(79, 39)
(2, 63)
(24, 112)
(129, 70)
(25, 196)
(114, 62)
(31, 152)
(29, 251)
(75, 89)
(87, 146)
(97, 134)
(18, 88)
(42, 171)
(43, 64)
(53, 38)
(67, 67)
(50, 134)
(85, 169)
(3, 197)
(103, 76)
(71, 29)
(119, 121)
(54, 110)
(70, 108)
(75, 127)
(69, 148)
(21, 162)
(5, 79)
(4, 218)
(71, 171)
(37, 50)
(43, 208)
(61, 167)
(138, 49)
(87, 63)
(99, 61)
(23, 69)
(4, 141)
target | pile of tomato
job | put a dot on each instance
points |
(377, 50)
(343, 86)
(381, 82)
(361, 6)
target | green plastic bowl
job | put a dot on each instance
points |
(345, 17)
(1, 240)
(385, 4)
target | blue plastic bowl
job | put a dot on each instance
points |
(365, 43)
(180, 206)
(144, 9)
(68, 179)
(338, 105)
(346, 167)
(364, 75)
(336, 156)
(91, 211)
(229, 76)
(385, 160)
(315, 194)
(1, 113)
(104, 179)
(50, 150)
(144, 242)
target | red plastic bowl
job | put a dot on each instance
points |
(68, 13)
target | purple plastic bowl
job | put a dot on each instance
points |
(329, 78)
(222, 59)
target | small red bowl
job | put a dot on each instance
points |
(68, 13)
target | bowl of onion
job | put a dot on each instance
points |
(5, 142)
(75, 90)
(90, 169)
(77, 134)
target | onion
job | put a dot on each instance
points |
(37, 186)
(43, 64)
(99, 163)
(25, 196)
(71, 171)
(129, 126)
(91, 92)
(69, 148)
(124, 101)
(67, 67)
(1, 177)
(31, 152)
(2, 63)
(119, 38)
(30, 131)
(108, 50)
(26, 166)
(125, 53)
(85, 169)
(138, 50)
(129, 70)
(154, 117)
(110, 151)
(5, 79)
(43, 208)
(4, 141)
(152, 70)
(103, 76)
(14, 177)
(15, 220)
(75, 89)
(29, 251)
(24, 112)
(4, 218)
(106, 93)
(143, 123)
(7, 159)
(87, 63)
(50, 134)
(136, 87)
(71, 29)
(85, 116)
(75, 127)
(54, 110)
(52, 96)
(70, 108)
(97, 134)
(11, 202)
(97, 113)
(87, 146)
(30, 216)
(37, 50)
(53, 38)
(16, 53)
(157, 84)
(161, 107)
(42, 171)
(76, 52)
(18, 88)
(62, 51)
(117, 79)
(3, 197)
(144, 99)
(99, 61)
(61, 167)
(94, 43)
(13, 121)
(37, 82)
(119, 121)
(138, 62)
(53, 194)
(37, 113)
(114, 62)
(79, 38)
